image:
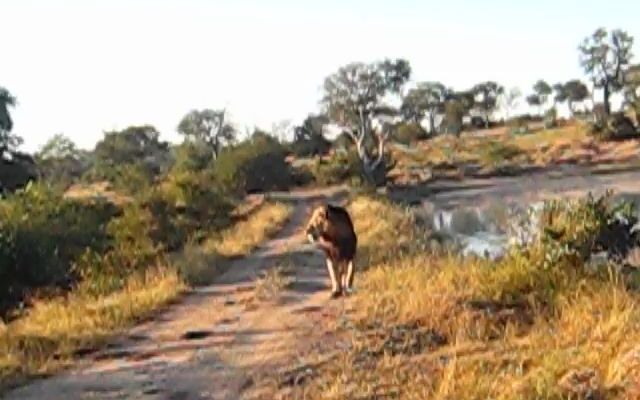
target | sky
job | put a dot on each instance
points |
(81, 67)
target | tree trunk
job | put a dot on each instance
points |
(606, 94)
(571, 110)
(432, 124)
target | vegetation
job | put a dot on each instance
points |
(545, 322)
(354, 99)
(93, 240)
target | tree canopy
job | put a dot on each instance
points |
(208, 126)
(426, 99)
(605, 56)
(486, 96)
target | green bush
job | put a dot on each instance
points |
(340, 168)
(41, 235)
(186, 205)
(131, 251)
(255, 165)
(570, 232)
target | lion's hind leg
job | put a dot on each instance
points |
(336, 278)
(348, 277)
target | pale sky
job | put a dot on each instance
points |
(85, 66)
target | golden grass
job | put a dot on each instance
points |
(45, 339)
(244, 236)
(440, 327)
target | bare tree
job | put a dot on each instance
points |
(354, 98)
(510, 100)
(209, 127)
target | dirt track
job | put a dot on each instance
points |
(216, 343)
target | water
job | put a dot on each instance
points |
(485, 231)
(490, 229)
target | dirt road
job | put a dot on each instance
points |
(218, 341)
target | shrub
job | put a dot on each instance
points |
(132, 250)
(192, 156)
(341, 167)
(409, 133)
(186, 205)
(616, 127)
(255, 165)
(42, 234)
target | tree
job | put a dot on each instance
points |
(605, 57)
(135, 145)
(60, 161)
(207, 126)
(632, 90)
(8, 141)
(282, 130)
(59, 146)
(486, 96)
(543, 90)
(16, 168)
(510, 100)
(308, 138)
(534, 100)
(560, 94)
(427, 98)
(456, 107)
(354, 99)
(576, 92)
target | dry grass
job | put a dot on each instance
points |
(436, 326)
(99, 190)
(271, 284)
(46, 338)
(570, 144)
(245, 235)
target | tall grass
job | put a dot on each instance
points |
(432, 325)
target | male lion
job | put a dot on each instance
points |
(330, 227)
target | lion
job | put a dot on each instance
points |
(331, 229)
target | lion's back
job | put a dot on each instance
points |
(343, 234)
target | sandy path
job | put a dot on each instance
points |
(216, 342)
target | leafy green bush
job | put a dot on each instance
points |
(186, 205)
(131, 250)
(340, 168)
(257, 164)
(192, 156)
(42, 234)
(569, 232)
